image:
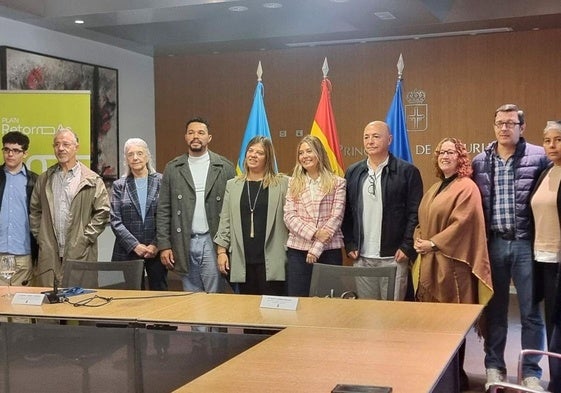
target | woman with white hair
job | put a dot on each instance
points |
(134, 200)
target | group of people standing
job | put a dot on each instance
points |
(482, 225)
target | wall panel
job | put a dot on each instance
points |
(464, 79)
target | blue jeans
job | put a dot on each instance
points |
(512, 259)
(203, 274)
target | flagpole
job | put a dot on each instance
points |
(396, 119)
(259, 72)
(400, 67)
(324, 127)
(257, 123)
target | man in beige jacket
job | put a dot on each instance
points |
(69, 209)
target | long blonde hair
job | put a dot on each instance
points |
(326, 175)
(271, 176)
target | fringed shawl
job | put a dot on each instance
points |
(459, 272)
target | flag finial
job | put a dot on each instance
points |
(259, 71)
(400, 66)
(325, 68)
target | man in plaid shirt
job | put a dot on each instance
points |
(506, 173)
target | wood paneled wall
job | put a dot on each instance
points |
(464, 79)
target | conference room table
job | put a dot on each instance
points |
(324, 342)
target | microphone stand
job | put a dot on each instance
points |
(53, 296)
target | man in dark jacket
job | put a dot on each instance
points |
(506, 173)
(191, 197)
(383, 195)
(16, 185)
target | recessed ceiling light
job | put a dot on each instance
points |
(339, 1)
(238, 8)
(272, 5)
(79, 21)
(385, 15)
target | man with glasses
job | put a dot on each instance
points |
(16, 185)
(383, 195)
(69, 209)
(506, 173)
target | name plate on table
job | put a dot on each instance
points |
(279, 302)
(30, 299)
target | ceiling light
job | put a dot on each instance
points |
(79, 21)
(385, 15)
(339, 1)
(272, 5)
(400, 37)
(238, 8)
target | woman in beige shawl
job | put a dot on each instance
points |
(453, 263)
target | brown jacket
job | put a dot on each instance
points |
(89, 214)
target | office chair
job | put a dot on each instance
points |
(505, 387)
(106, 275)
(353, 281)
(517, 387)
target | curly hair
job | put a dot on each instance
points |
(464, 162)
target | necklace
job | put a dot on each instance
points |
(252, 206)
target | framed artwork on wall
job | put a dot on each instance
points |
(25, 70)
(106, 124)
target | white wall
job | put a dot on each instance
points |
(136, 82)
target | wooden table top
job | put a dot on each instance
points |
(244, 310)
(405, 345)
(316, 359)
(126, 306)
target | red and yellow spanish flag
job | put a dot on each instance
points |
(325, 129)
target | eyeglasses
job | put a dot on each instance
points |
(7, 150)
(508, 124)
(447, 152)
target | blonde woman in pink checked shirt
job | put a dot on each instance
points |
(313, 213)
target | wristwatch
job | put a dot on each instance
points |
(433, 246)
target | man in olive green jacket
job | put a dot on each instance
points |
(191, 197)
(69, 209)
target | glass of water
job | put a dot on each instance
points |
(7, 270)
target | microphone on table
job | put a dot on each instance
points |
(53, 296)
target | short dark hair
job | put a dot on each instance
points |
(511, 108)
(197, 119)
(16, 137)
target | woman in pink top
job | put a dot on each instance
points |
(546, 211)
(313, 213)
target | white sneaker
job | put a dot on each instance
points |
(494, 375)
(533, 383)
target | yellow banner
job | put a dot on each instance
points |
(39, 114)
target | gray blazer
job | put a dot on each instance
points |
(230, 236)
(126, 216)
(177, 204)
